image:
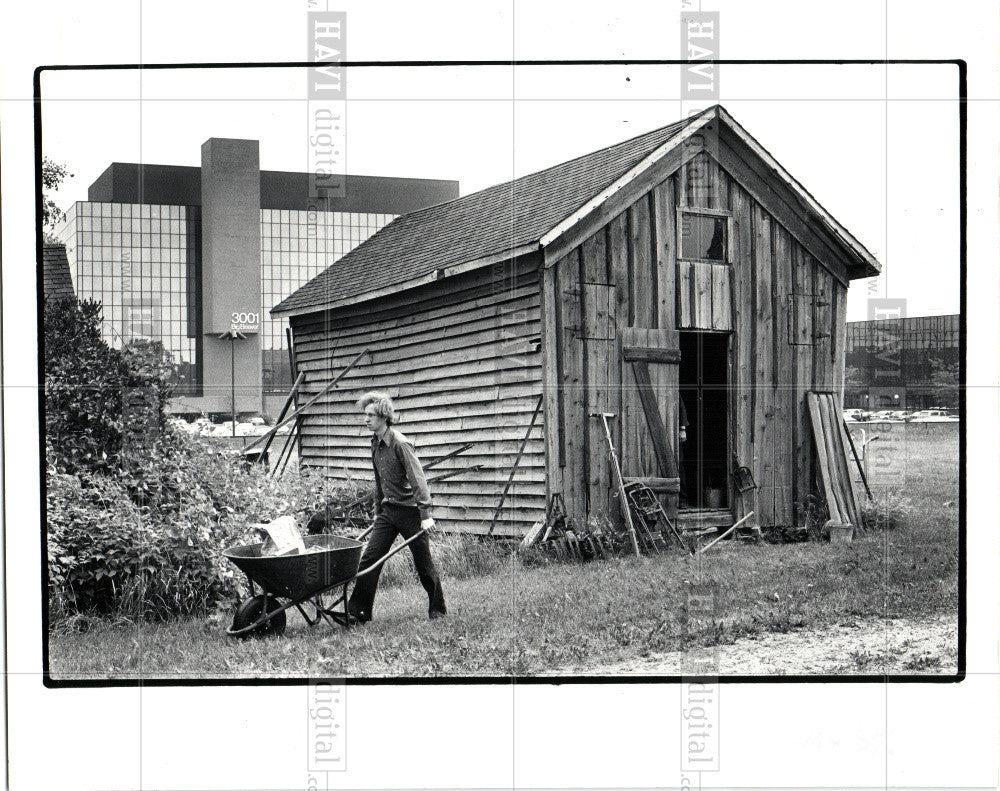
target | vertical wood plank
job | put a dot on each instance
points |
(785, 379)
(617, 251)
(839, 339)
(554, 427)
(745, 329)
(685, 286)
(732, 361)
(721, 295)
(574, 477)
(722, 187)
(665, 218)
(698, 188)
(764, 364)
(703, 295)
(642, 263)
(801, 319)
(593, 272)
(822, 326)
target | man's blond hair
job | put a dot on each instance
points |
(383, 405)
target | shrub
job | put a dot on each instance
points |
(147, 543)
(109, 556)
(96, 397)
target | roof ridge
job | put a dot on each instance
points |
(678, 124)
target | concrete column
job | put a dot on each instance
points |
(230, 270)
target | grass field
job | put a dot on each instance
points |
(545, 619)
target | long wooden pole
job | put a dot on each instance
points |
(432, 463)
(513, 469)
(621, 481)
(730, 530)
(441, 477)
(279, 467)
(857, 461)
(308, 403)
(284, 409)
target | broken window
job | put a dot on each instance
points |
(704, 237)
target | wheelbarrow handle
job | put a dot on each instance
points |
(391, 552)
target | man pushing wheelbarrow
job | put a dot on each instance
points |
(402, 506)
(327, 563)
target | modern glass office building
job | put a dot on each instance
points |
(140, 262)
(184, 255)
(907, 363)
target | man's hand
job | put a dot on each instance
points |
(427, 524)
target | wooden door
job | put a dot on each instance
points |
(650, 361)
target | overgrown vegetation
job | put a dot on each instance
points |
(138, 512)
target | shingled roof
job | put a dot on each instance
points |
(527, 213)
(492, 221)
(56, 279)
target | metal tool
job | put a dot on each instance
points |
(618, 474)
(645, 502)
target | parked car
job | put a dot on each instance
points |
(854, 415)
(932, 416)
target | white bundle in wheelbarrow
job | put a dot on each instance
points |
(283, 538)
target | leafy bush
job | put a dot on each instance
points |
(97, 398)
(147, 542)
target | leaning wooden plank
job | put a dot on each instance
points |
(821, 456)
(834, 456)
(829, 456)
(711, 544)
(513, 469)
(532, 535)
(840, 441)
(284, 410)
(661, 442)
(294, 415)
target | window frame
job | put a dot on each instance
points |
(730, 249)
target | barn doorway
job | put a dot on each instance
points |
(703, 384)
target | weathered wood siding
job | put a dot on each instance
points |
(461, 360)
(785, 310)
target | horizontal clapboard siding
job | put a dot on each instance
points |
(462, 361)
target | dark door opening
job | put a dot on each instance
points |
(702, 379)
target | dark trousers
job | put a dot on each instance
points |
(392, 521)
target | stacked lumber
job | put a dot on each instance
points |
(831, 455)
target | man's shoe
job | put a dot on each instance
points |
(435, 614)
(348, 620)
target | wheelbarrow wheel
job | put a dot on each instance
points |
(252, 609)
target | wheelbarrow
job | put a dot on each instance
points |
(329, 565)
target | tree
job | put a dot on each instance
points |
(53, 174)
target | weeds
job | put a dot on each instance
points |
(887, 511)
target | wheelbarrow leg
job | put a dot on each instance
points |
(347, 612)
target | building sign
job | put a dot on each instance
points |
(245, 322)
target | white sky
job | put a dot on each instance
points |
(829, 125)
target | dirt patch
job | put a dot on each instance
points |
(869, 647)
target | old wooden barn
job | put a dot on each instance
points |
(682, 265)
